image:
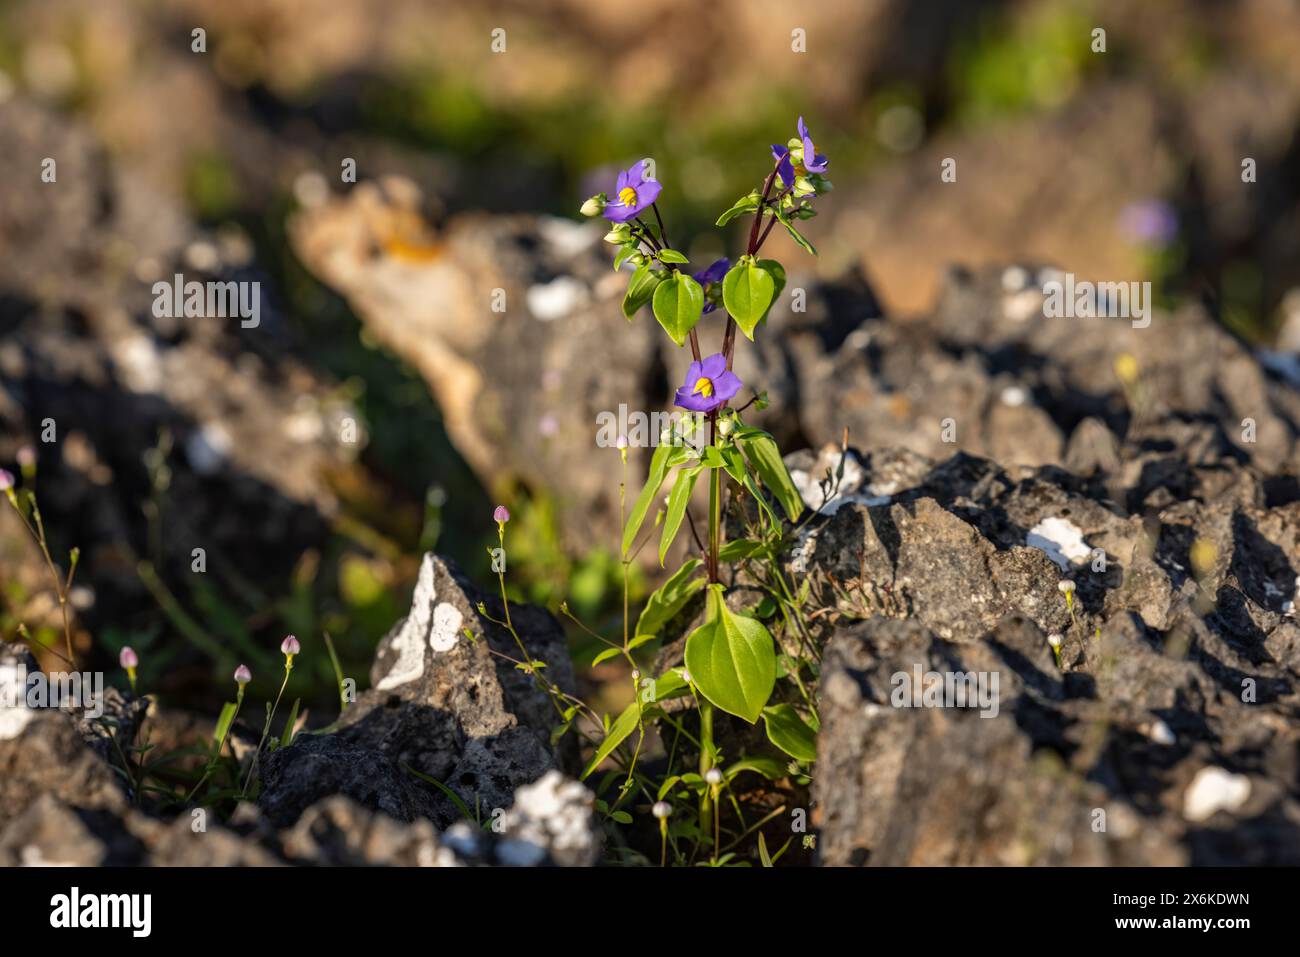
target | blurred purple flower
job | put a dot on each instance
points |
(128, 659)
(1150, 221)
(6, 480)
(632, 194)
(501, 515)
(709, 384)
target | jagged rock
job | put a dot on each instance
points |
(1179, 655)
(317, 766)
(444, 703)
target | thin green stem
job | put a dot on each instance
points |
(266, 728)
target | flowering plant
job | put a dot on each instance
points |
(731, 660)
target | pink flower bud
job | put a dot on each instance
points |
(290, 646)
(501, 515)
(621, 442)
(128, 659)
(6, 480)
(26, 456)
(242, 675)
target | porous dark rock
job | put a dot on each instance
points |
(1167, 730)
(448, 701)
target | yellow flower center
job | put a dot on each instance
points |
(704, 386)
(627, 196)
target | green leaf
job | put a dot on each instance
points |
(789, 732)
(739, 548)
(770, 768)
(286, 738)
(747, 291)
(617, 733)
(670, 598)
(678, 304)
(671, 256)
(678, 499)
(624, 254)
(224, 722)
(746, 204)
(732, 660)
(622, 817)
(763, 454)
(606, 655)
(795, 234)
(665, 457)
(640, 289)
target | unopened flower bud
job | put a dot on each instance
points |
(290, 647)
(242, 675)
(1054, 641)
(501, 515)
(26, 457)
(713, 776)
(595, 205)
(662, 810)
(128, 659)
(620, 442)
(1066, 586)
(6, 480)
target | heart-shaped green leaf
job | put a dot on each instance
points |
(747, 291)
(732, 660)
(678, 303)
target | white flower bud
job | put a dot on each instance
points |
(713, 776)
(661, 810)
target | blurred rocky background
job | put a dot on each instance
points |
(382, 407)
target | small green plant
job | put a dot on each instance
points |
(733, 663)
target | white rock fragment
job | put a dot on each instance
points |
(208, 448)
(1013, 395)
(447, 620)
(556, 299)
(566, 237)
(1161, 733)
(553, 814)
(1213, 790)
(1061, 540)
(14, 713)
(409, 641)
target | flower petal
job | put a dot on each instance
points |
(714, 365)
(726, 385)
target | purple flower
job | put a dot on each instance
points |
(786, 169)
(632, 194)
(1149, 221)
(813, 162)
(709, 384)
(128, 659)
(706, 277)
(501, 515)
(290, 647)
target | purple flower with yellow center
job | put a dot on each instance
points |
(785, 169)
(707, 277)
(813, 161)
(633, 193)
(709, 384)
